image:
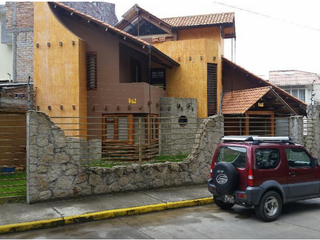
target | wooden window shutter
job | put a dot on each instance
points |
(212, 88)
(92, 77)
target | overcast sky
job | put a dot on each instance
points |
(279, 35)
(271, 34)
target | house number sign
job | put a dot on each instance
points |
(132, 100)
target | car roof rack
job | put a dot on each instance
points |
(257, 139)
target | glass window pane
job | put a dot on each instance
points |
(295, 92)
(109, 127)
(302, 95)
(123, 128)
(297, 158)
(267, 158)
(237, 156)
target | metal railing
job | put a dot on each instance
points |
(262, 126)
(12, 156)
(113, 140)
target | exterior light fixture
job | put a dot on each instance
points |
(190, 58)
(105, 108)
(128, 107)
(60, 44)
(37, 45)
(48, 44)
(74, 107)
(106, 29)
(38, 108)
(61, 107)
(179, 59)
(73, 43)
(49, 108)
(200, 57)
(118, 107)
(214, 58)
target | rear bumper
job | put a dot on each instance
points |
(251, 196)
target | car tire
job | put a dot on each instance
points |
(270, 206)
(221, 204)
(225, 177)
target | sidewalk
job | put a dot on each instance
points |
(17, 217)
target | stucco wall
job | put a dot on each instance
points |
(59, 70)
(190, 79)
(54, 173)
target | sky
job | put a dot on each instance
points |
(271, 34)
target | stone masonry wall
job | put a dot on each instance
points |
(312, 139)
(53, 172)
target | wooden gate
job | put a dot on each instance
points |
(12, 156)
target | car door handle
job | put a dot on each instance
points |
(292, 173)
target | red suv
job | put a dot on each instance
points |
(264, 172)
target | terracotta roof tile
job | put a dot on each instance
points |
(275, 87)
(292, 77)
(238, 102)
(200, 20)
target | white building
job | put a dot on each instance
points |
(6, 57)
(300, 84)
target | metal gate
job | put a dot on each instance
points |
(12, 156)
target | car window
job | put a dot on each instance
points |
(237, 156)
(297, 157)
(267, 158)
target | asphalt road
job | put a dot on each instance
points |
(298, 220)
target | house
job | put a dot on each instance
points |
(301, 84)
(88, 71)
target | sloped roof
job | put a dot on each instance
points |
(121, 33)
(266, 83)
(292, 77)
(200, 20)
(238, 102)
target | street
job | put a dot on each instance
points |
(298, 220)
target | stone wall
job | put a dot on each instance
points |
(312, 138)
(296, 129)
(177, 138)
(54, 173)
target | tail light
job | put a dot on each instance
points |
(212, 165)
(250, 177)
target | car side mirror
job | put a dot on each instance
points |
(315, 162)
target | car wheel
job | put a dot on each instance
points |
(221, 204)
(270, 206)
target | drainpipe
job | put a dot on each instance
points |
(149, 78)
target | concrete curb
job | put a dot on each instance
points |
(19, 227)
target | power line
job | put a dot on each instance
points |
(267, 16)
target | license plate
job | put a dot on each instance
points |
(229, 198)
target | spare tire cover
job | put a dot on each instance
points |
(225, 177)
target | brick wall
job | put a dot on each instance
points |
(24, 56)
(24, 14)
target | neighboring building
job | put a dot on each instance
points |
(5, 48)
(300, 84)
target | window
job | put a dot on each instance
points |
(91, 70)
(297, 157)
(267, 158)
(135, 70)
(211, 89)
(158, 77)
(296, 91)
(126, 128)
(235, 155)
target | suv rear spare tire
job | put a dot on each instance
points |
(225, 177)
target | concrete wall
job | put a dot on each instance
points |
(54, 173)
(312, 138)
